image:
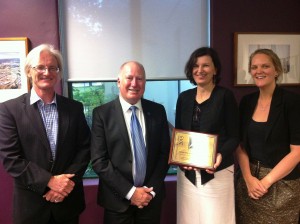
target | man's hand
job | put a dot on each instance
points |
(141, 197)
(62, 184)
(54, 196)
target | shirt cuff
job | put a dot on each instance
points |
(130, 193)
(132, 190)
(151, 192)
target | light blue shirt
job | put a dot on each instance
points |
(49, 116)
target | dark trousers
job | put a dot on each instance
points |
(73, 220)
(134, 215)
(44, 218)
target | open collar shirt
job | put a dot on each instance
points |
(49, 114)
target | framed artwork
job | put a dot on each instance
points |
(285, 45)
(13, 81)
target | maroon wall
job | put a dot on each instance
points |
(37, 20)
(232, 16)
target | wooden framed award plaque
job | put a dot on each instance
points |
(193, 149)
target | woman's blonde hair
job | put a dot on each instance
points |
(274, 58)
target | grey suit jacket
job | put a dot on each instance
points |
(26, 156)
(112, 157)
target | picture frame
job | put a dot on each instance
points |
(13, 81)
(285, 45)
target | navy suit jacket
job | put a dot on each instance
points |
(26, 156)
(112, 156)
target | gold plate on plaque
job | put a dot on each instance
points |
(193, 149)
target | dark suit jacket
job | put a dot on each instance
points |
(283, 125)
(26, 155)
(112, 157)
(221, 119)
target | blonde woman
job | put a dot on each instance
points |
(269, 189)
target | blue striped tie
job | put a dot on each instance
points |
(139, 149)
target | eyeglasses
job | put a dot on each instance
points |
(43, 69)
(196, 114)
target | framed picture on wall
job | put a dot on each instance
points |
(13, 81)
(285, 45)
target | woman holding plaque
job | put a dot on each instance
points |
(207, 195)
(269, 189)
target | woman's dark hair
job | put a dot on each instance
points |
(203, 51)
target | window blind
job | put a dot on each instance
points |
(97, 36)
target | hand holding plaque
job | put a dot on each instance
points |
(193, 149)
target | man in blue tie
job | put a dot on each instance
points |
(129, 149)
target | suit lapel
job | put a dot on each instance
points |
(63, 121)
(275, 110)
(188, 108)
(34, 116)
(120, 121)
(252, 105)
(148, 121)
